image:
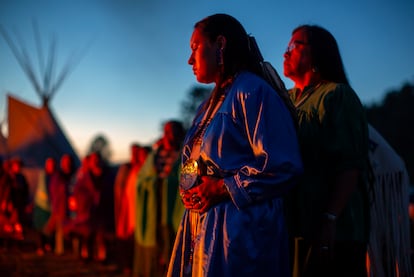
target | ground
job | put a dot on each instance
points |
(19, 259)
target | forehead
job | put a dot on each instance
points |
(198, 37)
(169, 127)
(299, 35)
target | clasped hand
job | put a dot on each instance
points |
(209, 192)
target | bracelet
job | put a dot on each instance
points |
(329, 216)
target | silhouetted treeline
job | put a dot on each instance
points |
(394, 120)
(190, 104)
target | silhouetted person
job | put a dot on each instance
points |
(58, 194)
(153, 234)
(125, 201)
(10, 226)
(20, 192)
(328, 211)
(41, 205)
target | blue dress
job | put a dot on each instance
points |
(251, 142)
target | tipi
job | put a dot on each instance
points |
(34, 133)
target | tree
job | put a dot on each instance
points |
(189, 106)
(394, 119)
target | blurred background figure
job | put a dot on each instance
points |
(154, 235)
(125, 200)
(58, 195)
(10, 227)
(41, 205)
(81, 199)
(20, 195)
(92, 199)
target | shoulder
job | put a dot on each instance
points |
(338, 92)
(248, 79)
(248, 84)
(331, 88)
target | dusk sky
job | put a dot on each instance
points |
(134, 74)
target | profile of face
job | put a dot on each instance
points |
(135, 152)
(173, 135)
(203, 58)
(50, 165)
(297, 58)
(66, 163)
(16, 166)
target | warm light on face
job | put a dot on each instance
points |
(203, 58)
(294, 44)
(50, 165)
(66, 164)
(297, 58)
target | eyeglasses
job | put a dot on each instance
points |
(294, 44)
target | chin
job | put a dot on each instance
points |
(201, 80)
(287, 73)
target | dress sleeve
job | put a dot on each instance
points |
(269, 158)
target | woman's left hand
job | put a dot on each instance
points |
(207, 193)
(322, 250)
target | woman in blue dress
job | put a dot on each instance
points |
(239, 158)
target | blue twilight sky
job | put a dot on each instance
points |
(134, 74)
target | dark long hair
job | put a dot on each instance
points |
(326, 58)
(236, 54)
(242, 53)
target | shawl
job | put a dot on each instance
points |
(146, 205)
(147, 202)
(389, 241)
(41, 197)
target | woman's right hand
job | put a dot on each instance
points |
(209, 192)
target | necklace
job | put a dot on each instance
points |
(214, 104)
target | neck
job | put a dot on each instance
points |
(308, 79)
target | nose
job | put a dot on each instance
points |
(191, 60)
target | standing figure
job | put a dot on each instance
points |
(155, 196)
(92, 199)
(329, 210)
(240, 156)
(58, 194)
(125, 201)
(41, 205)
(10, 226)
(83, 200)
(20, 195)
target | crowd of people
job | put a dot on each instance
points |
(267, 181)
(132, 209)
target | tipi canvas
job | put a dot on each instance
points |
(34, 134)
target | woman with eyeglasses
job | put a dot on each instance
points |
(328, 211)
